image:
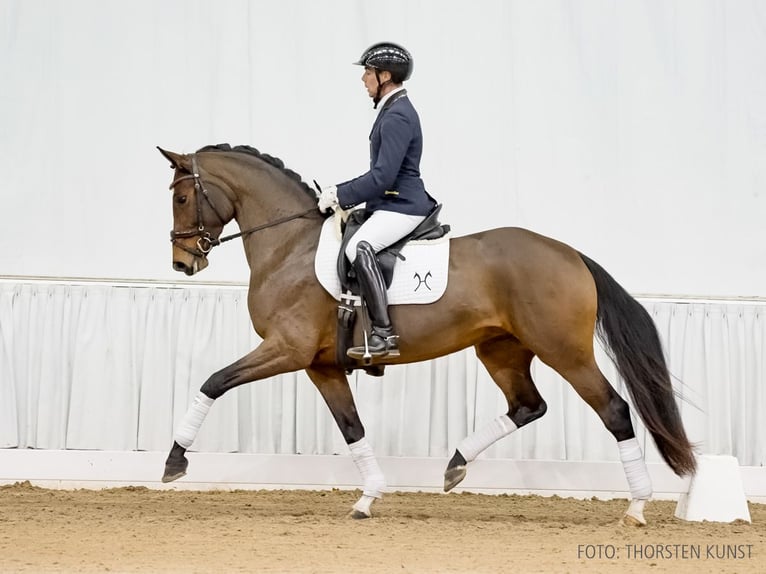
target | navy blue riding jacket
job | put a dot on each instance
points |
(393, 182)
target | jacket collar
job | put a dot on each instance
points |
(390, 98)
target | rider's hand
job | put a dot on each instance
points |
(328, 199)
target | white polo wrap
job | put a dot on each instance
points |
(471, 446)
(635, 469)
(364, 458)
(193, 419)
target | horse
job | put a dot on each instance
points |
(512, 294)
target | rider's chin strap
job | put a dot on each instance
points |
(378, 97)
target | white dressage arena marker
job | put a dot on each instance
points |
(715, 492)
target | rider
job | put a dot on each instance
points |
(392, 189)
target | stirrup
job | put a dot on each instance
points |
(375, 347)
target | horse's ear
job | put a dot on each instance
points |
(177, 160)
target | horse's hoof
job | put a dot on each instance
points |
(175, 470)
(362, 507)
(170, 477)
(632, 521)
(453, 476)
(634, 515)
(359, 515)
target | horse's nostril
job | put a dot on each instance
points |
(178, 266)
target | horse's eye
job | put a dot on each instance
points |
(181, 199)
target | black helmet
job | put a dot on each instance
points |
(390, 57)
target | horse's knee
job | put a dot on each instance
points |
(525, 414)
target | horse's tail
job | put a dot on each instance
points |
(631, 339)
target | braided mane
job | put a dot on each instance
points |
(271, 160)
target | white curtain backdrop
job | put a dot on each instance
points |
(109, 367)
(633, 130)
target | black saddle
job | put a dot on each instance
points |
(429, 228)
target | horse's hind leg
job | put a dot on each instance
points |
(507, 362)
(589, 382)
(333, 386)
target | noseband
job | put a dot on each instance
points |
(205, 241)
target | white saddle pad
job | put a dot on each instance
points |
(420, 278)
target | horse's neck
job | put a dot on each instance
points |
(283, 243)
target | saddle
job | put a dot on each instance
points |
(429, 228)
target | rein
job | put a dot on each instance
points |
(205, 241)
(214, 242)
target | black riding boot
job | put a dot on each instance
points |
(382, 342)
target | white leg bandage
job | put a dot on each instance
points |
(635, 469)
(364, 458)
(193, 419)
(471, 446)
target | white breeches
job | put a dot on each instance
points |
(382, 229)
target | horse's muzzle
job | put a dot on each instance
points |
(182, 267)
(187, 263)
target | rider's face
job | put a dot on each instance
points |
(371, 81)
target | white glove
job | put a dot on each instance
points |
(328, 199)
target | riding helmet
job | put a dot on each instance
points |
(390, 57)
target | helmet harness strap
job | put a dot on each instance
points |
(377, 98)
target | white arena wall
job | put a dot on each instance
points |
(91, 367)
(634, 131)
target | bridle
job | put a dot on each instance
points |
(205, 241)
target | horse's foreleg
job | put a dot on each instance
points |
(333, 386)
(268, 360)
(177, 463)
(508, 364)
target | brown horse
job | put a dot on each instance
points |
(512, 295)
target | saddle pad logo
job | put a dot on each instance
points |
(423, 281)
(420, 279)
